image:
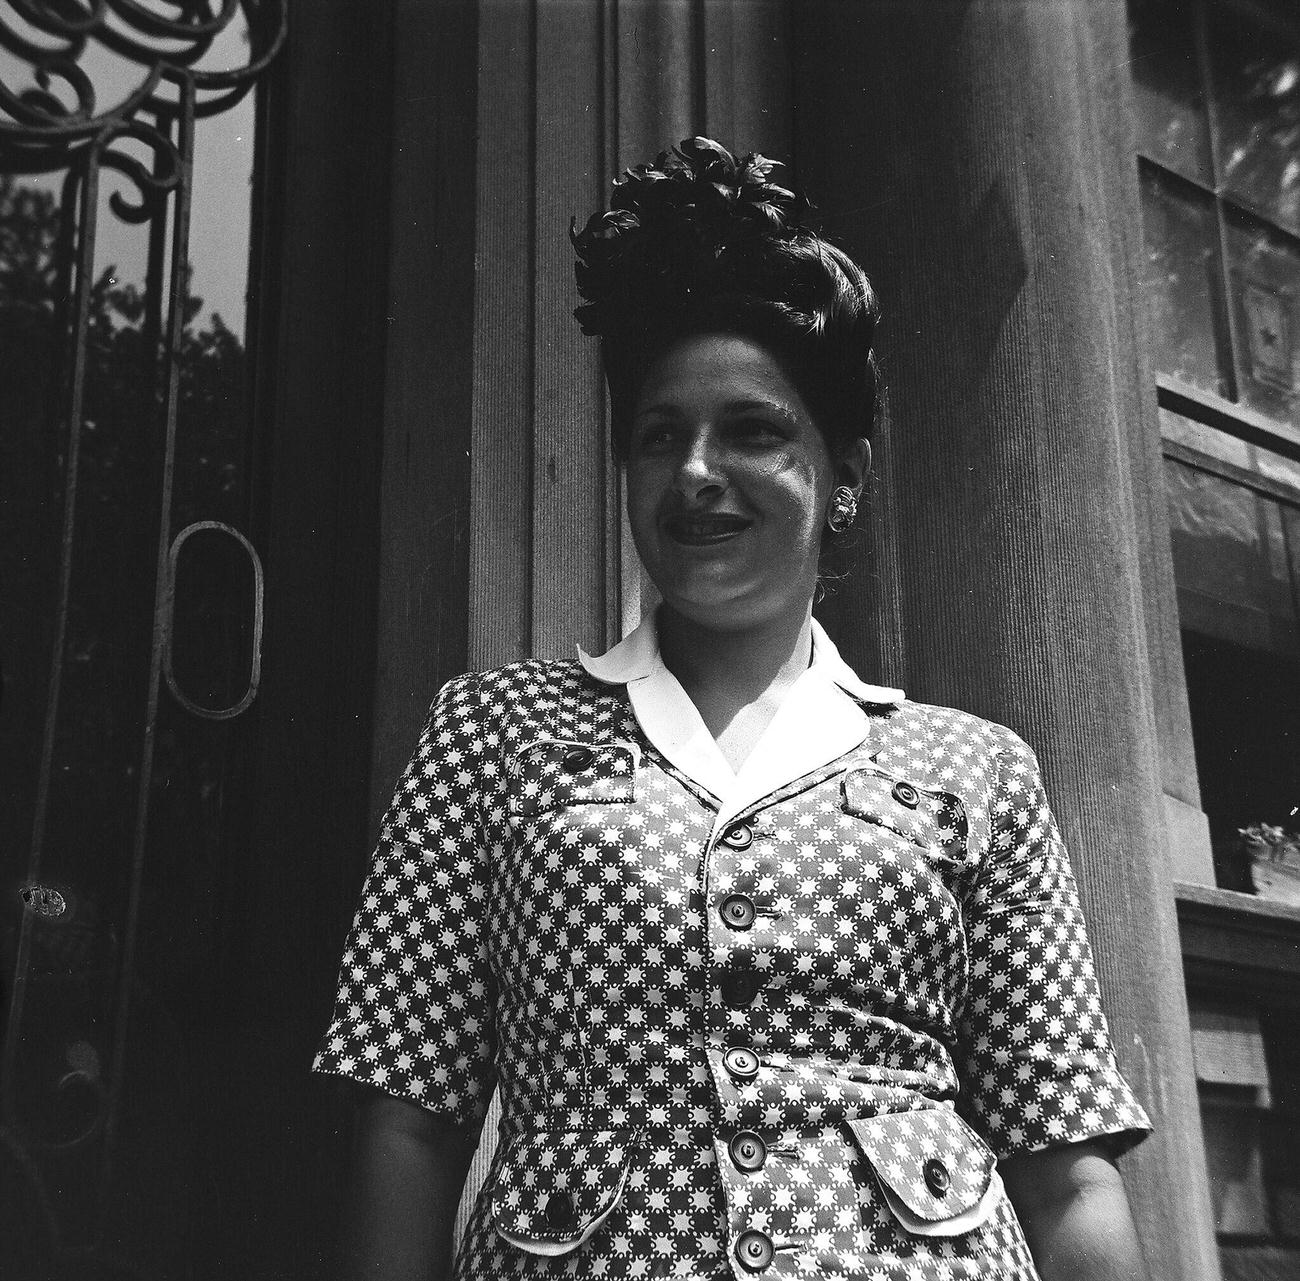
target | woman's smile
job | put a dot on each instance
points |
(705, 529)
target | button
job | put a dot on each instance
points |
(937, 1178)
(740, 837)
(576, 759)
(559, 1210)
(754, 1251)
(747, 1151)
(739, 987)
(738, 911)
(741, 1063)
(906, 794)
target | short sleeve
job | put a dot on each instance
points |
(414, 1011)
(1035, 1055)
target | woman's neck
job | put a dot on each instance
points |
(736, 679)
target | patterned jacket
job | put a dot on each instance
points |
(781, 1023)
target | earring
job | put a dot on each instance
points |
(844, 509)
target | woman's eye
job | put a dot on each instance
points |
(756, 429)
(655, 437)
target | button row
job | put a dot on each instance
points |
(739, 987)
(737, 911)
(741, 1063)
(755, 1251)
(748, 1152)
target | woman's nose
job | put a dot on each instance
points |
(699, 471)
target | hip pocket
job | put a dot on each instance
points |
(552, 1189)
(935, 1173)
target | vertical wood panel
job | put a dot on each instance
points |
(425, 496)
(659, 83)
(500, 604)
(320, 392)
(748, 76)
(569, 468)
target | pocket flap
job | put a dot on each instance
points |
(935, 820)
(553, 1188)
(552, 773)
(929, 1160)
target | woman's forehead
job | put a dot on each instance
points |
(728, 368)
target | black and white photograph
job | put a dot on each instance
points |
(649, 639)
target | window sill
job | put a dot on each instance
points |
(1227, 415)
(1239, 941)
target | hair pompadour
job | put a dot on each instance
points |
(700, 242)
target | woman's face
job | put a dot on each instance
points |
(728, 484)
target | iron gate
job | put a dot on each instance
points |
(131, 633)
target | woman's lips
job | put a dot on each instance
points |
(700, 529)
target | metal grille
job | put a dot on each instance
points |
(127, 439)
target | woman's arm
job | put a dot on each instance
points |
(408, 1175)
(1073, 1208)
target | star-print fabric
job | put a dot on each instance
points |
(794, 1046)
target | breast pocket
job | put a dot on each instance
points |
(552, 1189)
(557, 773)
(934, 820)
(935, 1173)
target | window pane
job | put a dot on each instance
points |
(1228, 550)
(1282, 1151)
(1264, 268)
(1237, 569)
(1245, 708)
(1275, 467)
(1183, 279)
(1291, 524)
(1257, 110)
(1234, 1157)
(1171, 117)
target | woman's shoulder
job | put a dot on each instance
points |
(526, 681)
(956, 731)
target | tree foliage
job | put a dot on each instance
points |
(114, 547)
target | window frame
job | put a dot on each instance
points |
(1228, 414)
(1236, 945)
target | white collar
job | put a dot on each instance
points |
(637, 655)
(815, 724)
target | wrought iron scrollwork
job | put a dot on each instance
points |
(165, 39)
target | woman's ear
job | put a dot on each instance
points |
(854, 465)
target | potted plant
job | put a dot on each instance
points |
(1259, 844)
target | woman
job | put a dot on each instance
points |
(778, 973)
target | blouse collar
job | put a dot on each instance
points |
(820, 719)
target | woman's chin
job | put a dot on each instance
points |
(724, 607)
(701, 591)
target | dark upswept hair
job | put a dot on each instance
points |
(700, 242)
